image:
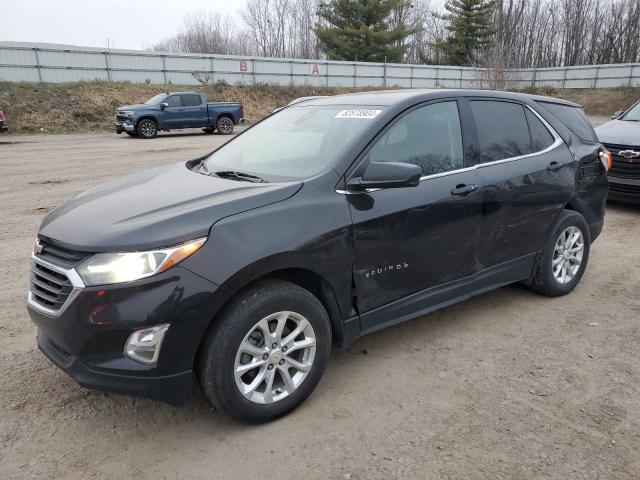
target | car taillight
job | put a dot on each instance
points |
(241, 111)
(607, 159)
(1, 116)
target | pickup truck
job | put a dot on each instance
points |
(177, 110)
(3, 127)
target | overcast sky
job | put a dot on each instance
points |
(131, 24)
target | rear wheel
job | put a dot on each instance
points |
(565, 256)
(147, 128)
(266, 353)
(224, 125)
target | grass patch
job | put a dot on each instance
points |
(90, 106)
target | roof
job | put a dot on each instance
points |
(393, 97)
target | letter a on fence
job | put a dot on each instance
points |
(315, 69)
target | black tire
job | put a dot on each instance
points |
(147, 128)
(544, 281)
(208, 130)
(217, 359)
(224, 125)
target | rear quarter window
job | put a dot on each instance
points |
(574, 119)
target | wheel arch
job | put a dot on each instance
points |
(147, 116)
(305, 277)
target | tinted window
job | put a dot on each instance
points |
(574, 118)
(541, 137)
(502, 130)
(633, 114)
(174, 101)
(191, 100)
(429, 137)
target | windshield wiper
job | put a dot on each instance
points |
(239, 176)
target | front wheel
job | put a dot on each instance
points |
(266, 353)
(565, 256)
(147, 128)
(224, 125)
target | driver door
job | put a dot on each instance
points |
(414, 245)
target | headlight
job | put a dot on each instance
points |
(106, 268)
(126, 113)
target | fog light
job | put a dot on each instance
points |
(144, 345)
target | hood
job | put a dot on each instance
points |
(137, 106)
(154, 208)
(619, 132)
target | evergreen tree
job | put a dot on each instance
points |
(360, 30)
(470, 27)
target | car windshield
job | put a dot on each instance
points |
(296, 142)
(633, 114)
(156, 99)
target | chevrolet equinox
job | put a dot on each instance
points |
(330, 219)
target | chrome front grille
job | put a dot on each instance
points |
(51, 287)
(624, 167)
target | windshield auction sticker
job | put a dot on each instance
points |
(359, 113)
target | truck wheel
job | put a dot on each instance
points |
(266, 353)
(565, 256)
(224, 126)
(147, 128)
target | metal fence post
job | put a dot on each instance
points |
(291, 71)
(384, 73)
(106, 62)
(213, 71)
(595, 80)
(164, 69)
(436, 79)
(326, 71)
(253, 71)
(355, 74)
(564, 76)
(411, 78)
(35, 51)
(533, 78)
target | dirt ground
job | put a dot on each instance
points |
(509, 385)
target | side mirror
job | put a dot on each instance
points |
(387, 175)
(617, 114)
(163, 105)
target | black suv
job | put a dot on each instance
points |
(328, 220)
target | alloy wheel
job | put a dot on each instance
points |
(275, 357)
(148, 129)
(225, 126)
(567, 255)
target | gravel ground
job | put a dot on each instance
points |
(508, 385)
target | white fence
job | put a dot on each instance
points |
(31, 62)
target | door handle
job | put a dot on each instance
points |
(463, 190)
(555, 166)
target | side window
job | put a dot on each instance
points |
(574, 118)
(174, 101)
(541, 137)
(191, 100)
(429, 137)
(502, 130)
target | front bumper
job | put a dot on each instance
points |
(87, 339)
(124, 126)
(624, 189)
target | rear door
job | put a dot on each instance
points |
(195, 111)
(408, 240)
(521, 165)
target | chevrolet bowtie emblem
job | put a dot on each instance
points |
(628, 154)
